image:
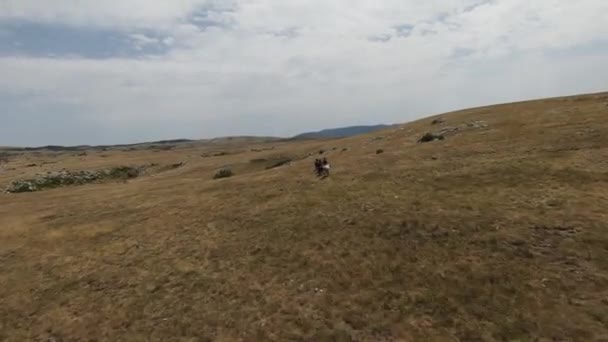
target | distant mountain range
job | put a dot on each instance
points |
(341, 132)
(58, 148)
(152, 144)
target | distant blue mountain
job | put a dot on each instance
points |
(342, 132)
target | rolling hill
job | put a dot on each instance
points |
(497, 232)
(342, 132)
(242, 140)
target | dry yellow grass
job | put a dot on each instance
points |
(496, 233)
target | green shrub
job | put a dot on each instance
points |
(22, 186)
(123, 172)
(428, 137)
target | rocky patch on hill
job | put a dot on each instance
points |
(63, 178)
(444, 131)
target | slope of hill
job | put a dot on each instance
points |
(342, 132)
(497, 232)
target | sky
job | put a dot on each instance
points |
(107, 72)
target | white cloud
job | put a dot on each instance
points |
(143, 39)
(140, 41)
(169, 41)
(93, 12)
(308, 64)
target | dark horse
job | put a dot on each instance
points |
(322, 168)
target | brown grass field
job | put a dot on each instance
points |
(497, 233)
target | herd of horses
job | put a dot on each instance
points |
(322, 167)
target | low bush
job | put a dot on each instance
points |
(428, 137)
(223, 173)
(278, 163)
(123, 172)
(258, 160)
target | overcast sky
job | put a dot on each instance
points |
(97, 72)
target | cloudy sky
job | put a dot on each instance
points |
(96, 72)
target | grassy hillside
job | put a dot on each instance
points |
(498, 232)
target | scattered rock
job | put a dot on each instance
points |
(589, 132)
(379, 151)
(477, 124)
(152, 288)
(440, 135)
(223, 173)
(51, 339)
(63, 178)
(376, 139)
(349, 221)
(21, 186)
(428, 137)
(367, 207)
(447, 130)
(319, 290)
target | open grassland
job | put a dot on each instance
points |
(498, 232)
